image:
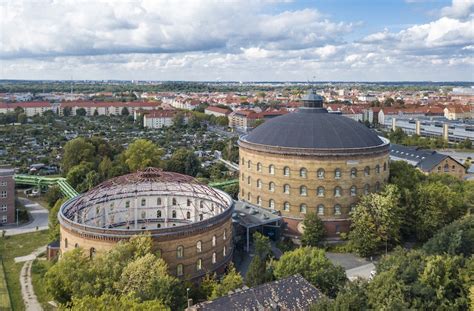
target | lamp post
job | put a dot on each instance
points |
(17, 210)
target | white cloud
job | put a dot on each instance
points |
(459, 9)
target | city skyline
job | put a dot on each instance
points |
(412, 40)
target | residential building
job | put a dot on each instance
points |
(30, 108)
(106, 108)
(7, 196)
(158, 119)
(217, 111)
(458, 112)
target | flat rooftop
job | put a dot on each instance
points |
(249, 215)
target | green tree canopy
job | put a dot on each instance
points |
(313, 230)
(77, 151)
(108, 302)
(141, 154)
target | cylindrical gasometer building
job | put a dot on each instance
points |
(312, 161)
(190, 223)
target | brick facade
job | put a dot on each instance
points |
(7, 196)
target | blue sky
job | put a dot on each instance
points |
(341, 40)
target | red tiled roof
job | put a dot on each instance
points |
(25, 105)
(218, 110)
(93, 104)
(160, 114)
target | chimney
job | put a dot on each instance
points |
(445, 131)
(417, 128)
(394, 124)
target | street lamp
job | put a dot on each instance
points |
(17, 210)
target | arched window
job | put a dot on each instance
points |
(259, 201)
(320, 209)
(179, 270)
(249, 164)
(446, 167)
(259, 183)
(224, 251)
(188, 215)
(377, 169)
(366, 189)
(271, 204)
(248, 180)
(271, 186)
(199, 246)
(377, 186)
(127, 204)
(92, 253)
(353, 172)
(337, 191)
(303, 191)
(337, 209)
(143, 215)
(243, 176)
(158, 201)
(286, 206)
(303, 173)
(353, 191)
(271, 169)
(320, 191)
(158, 214)
(180, 251)
(286, 171)
(213, 240)
(249, 197)
(173, 214)
(321, 173)
(243, 160)
(158, 225)
(143, 202)
(385, 166)
(174, 201)
(224, 235)
(188, 202)
(259, 167)
(286, 189)
(201, 204)
(352, 207)
(337, 173)
(367, 171)
(214, 260)
(76, 245)
(303, 208)
(65, 242)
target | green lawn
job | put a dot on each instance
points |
(14, 246)
(38, 269)
(4, 296)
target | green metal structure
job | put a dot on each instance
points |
(43, 181)
(222, 184)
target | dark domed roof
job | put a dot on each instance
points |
(314, 128)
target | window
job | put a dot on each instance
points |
(303, 208)
(271, 186)
(3, 208)
(243, 161)
(249, 197)
(303, 191)
(353, 172)
(158, 226)
(127, 204)
(286, 189)
(199, 246)
(271, 204)
(303, 173)
(201, 216)
(259, 201)
(4, 194)
(286, 171)
(320, 191)
(320, 173)
(180, 251)
(224, 251)
(173, 214)
(367, 171)
(249, 164)
(143, 214)
(92, 253)
(76, 245)
(248, 180)
(366, 189)
(271, 169)
(353, 191)
(337, 191)
(337, 209)
(4, 219)
(179, 270)
(174, 201)
(158, 201)
(65, 243)
(158, 214)
(243, 177)
(259, 167)
(143, 202)
(385, 166)
(286, 206)
(188, 202)
(224, 235)
(377, 186)
(188, 215)
(320, 209)
(377, 169)
(446, 167)
(353, 206)
(337, 173)
(213, 240)
(214, 260)
(201, 204)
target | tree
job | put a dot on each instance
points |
(105, 168)
(107, 302)
(262, 245)
(96, 113)
(376, 222)
(81, 112)
(77, 176)
(141, 154)
(313, 230)
(22, 118)
(192, 164)
(67, 111)
(257, 272)
(178, 120)
(77, 151)
(53, 220)
(53, 195)
(125, 111)
(314, 266)
(231, 281)
(352, 297)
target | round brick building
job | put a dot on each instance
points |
(312, 161)
(190, 223)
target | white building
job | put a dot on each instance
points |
(158, 118)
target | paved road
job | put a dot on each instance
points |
(39, 215)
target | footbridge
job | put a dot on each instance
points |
(44, 181)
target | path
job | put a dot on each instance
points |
(27, 290)
(39, 215)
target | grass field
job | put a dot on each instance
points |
(14, 246)
(4, 296)
(39, 268)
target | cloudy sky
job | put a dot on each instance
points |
(221, 40)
